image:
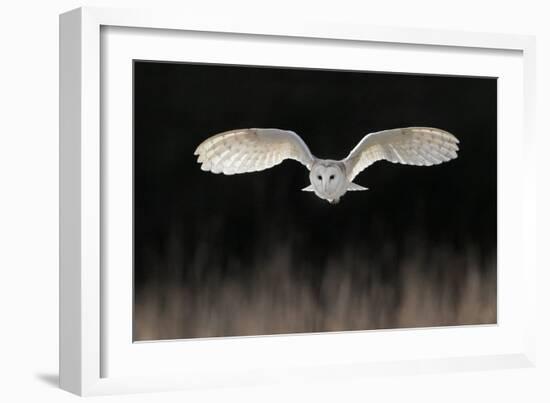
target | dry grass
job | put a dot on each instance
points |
(442, 291)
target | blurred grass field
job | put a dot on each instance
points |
(445, 289)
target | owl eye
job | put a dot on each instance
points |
(319, 177)
(331, 177)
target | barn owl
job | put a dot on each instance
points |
(250, 150)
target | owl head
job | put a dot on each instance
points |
(328, 180)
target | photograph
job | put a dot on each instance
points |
(276, 200)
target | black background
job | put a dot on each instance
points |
(183, 215)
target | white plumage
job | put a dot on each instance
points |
(249, 150)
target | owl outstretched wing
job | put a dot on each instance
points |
(249, 150)
(409, 145)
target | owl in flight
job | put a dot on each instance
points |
(250, 150)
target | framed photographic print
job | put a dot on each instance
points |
(244, 202)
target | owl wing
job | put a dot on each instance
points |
(409, 145)
(249, 150)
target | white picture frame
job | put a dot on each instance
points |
(96, 355)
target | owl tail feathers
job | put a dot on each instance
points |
(351, 186)
(355, 186)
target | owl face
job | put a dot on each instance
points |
(329, 180)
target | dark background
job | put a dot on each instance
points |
(191, 226)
